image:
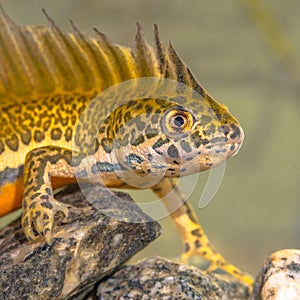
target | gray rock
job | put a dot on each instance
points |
(161, 279)
(91, 245)
(85, 258)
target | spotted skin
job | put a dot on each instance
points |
(50, 79)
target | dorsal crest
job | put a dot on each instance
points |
(37, 61)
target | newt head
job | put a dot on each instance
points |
(173, 135)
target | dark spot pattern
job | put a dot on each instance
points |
(48, 191)
(187, 247)
(139, 140)
(160, 142)
(197, 244)
(197, 140)
(148, 109)
(56, 134)
(196, 232)
(150, 157)
(26, 137)
(173, 152)
(100, 167)
(236, 132)
(185, 146)
(12, 142)
(47, 204)
(107, 145)
(140, 125)
(46, 125)
(68, 134)
(124, 141)
(134, 158)
(154, 118)
(151, 132)
(39, 136)
(211, 129)
(127, 117)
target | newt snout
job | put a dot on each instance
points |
(234, 139)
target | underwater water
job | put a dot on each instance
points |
(246, 55)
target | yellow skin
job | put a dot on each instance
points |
(51, 77)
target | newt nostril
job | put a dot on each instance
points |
(225, 129)
(233, 133)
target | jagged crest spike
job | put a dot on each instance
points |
(140, 38)
(49, 19)
(75, 28)
(160, 50)
(103, 37)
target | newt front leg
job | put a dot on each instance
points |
(194, 237)
(39, 205)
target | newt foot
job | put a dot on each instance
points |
(217, 261)
(38, 216)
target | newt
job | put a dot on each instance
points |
(47, 80)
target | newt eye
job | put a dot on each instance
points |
(177, 122)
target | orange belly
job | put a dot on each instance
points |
(11, 193)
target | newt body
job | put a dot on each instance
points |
(49, 78)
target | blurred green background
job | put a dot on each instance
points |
(246, 54)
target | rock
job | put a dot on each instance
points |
(279, 278)
(162, 279)
(104, 230)
(91, 245)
